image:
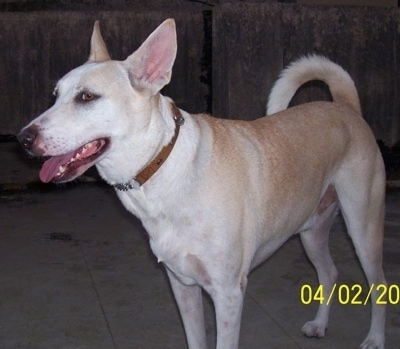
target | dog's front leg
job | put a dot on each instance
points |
(228, 302)
(190, 303)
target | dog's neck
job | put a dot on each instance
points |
(151, 168)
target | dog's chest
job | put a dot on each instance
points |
(179, 243)
(181, 258)
(181, 248)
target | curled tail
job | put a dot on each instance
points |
(309, 68)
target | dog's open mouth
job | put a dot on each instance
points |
(69, 166)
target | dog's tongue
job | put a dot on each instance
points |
(51, 166)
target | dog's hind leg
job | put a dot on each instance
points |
(316, 244)
(189, 300)
(362, 200)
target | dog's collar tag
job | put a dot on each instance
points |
(157, 162)
(124, 186)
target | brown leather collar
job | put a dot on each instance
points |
(145, 174)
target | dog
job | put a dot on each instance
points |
(218, 197)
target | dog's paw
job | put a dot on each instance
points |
(314, 329)
(372, 343)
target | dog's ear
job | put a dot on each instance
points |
(150, 66)
(98, 49)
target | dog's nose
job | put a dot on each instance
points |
(27, 137)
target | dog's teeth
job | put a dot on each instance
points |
(82, 151)
(61, 169)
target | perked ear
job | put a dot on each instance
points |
(98, 49)
(150, 66)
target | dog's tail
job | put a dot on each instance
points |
(310, 68)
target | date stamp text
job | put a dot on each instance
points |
(351, 294)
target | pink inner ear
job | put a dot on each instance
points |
(161, 55)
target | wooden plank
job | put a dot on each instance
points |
(247, 56)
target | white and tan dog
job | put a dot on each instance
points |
(218, 197)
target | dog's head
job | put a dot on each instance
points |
(101, 104)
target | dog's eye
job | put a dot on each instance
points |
(87, 96)
(55, 92)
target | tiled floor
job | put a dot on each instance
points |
(76, 272)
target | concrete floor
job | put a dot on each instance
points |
(76, 272)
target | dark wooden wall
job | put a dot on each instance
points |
(229, 54)
(253, 42)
